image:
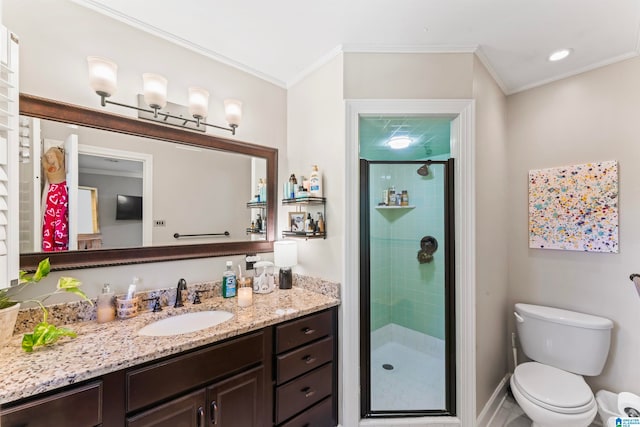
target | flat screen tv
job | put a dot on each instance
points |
(129, 207)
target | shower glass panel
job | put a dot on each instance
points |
(407, 337)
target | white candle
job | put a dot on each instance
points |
(245, 296)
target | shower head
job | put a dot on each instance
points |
(424, 169)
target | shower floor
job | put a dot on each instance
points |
(416, 381)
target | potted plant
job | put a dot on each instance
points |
(44, 333)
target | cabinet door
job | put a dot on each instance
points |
(186, 411)
(238, 401)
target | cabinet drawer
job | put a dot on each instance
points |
(78, 407)
(318, 416)
(159, 381)
(303, 392)
(297, 362)
(302, 331)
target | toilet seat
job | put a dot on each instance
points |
(553, 389)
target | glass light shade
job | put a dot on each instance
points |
(155, 90)
(103, 75)
(198, 102)
(233, 111)
(399, 142)
(285, 253)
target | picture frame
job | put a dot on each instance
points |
(296, 221)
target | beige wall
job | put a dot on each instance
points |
(315, 135)
(408, 75)
(53, 65)
(491, 234)
(586, 118)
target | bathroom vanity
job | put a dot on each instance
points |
(267, 366)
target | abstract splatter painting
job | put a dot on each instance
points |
(574, 207)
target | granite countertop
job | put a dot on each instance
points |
(103, 348)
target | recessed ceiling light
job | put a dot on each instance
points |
(399, 142)
(560, 54)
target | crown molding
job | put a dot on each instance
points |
(124, 18)
(487, 64)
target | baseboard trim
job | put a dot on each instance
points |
(493, 405)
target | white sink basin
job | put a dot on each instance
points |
(185, 323)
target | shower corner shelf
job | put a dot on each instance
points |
(306, 201)
(381, 207)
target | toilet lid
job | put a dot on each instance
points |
(553, 388)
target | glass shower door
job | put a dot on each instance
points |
(406, 276)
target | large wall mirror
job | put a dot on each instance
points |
(136, 191)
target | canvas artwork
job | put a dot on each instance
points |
(574, 207)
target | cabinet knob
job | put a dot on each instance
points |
(308, 359)
(308, 331)
(307, 392)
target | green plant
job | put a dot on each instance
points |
(44, 333)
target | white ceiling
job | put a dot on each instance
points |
(282, 40)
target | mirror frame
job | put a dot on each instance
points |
(48, 109)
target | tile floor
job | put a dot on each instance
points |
(510, 415)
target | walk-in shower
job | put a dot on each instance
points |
(406, 280)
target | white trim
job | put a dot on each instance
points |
(147, 181)
(408, 48)
(158, 32)
(324, 59)
(464, 152)
(490, 410)
(487, 64)
(572, 73)
(124, 174)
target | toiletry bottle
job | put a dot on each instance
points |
(294, 186)
(133, 288)
(392, 196)
(404, 198)
(259, 223)
(315, 182)
(105, 310)
(263, 190)
(307, 223)
(320, 223)
(229, 282)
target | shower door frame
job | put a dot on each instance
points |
(365, 293)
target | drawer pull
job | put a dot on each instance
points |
(308, 331)
(200, 417)
(308, 359)
(214, 412)
(307, 392)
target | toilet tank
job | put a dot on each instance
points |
(572, 341)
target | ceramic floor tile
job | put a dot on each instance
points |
(511, 415)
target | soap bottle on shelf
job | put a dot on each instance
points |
(259, 223)
(229, 282)
(293, 187)
(404, 198)
(315, 182)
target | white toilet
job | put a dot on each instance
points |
(564, 346)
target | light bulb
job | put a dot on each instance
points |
(155, 90)
(103, 75)
(233, 111)
(198, 102)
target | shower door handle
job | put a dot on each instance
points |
(518, 317)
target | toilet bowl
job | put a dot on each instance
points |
(552, 397)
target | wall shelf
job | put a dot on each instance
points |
(395, 207)
(262, 206)
(306, 201)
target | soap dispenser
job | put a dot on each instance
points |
(105, 310)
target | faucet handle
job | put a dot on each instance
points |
(156, 305)
(196, 298)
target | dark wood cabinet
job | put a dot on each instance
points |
(305, 377)
(284, 374)
(185, 411)
(238, 401)
(79, 406)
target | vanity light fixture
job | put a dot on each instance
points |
(103, 78)
(559, 55)
(399, 142)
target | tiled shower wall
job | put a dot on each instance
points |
(403, 291)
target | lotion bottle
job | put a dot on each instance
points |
(315, 182)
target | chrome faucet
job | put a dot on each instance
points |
(182, 286)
